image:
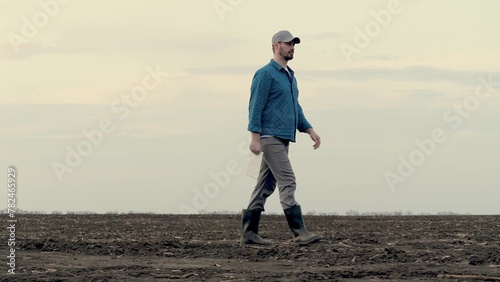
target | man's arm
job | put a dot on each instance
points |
(305, 126)
(302, 124)
(259, 91)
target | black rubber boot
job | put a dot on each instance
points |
(250, 229)
(296, 224)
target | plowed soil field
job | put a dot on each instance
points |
(146, 247)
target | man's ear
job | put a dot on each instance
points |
(275, 46)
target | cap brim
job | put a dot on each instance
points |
(296, 40)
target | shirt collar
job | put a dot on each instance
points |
(279, 67)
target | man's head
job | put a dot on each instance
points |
(284, 44)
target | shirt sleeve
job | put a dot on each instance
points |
(259, 91)
(302, 124)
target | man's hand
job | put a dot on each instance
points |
(255, 143)
(315, 137)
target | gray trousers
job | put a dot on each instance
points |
(275, 168)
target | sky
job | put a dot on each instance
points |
(142, 106)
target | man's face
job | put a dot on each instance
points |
(286, 49)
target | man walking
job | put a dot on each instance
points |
(275, 115)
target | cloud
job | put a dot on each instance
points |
(109, 40)
(411, 73)
(48, 121)
(419, 94)
(324, 36)
(224, 70)
(381, 57)
(29, 50)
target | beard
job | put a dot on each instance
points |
(287, 56)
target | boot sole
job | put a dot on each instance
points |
(314, 240)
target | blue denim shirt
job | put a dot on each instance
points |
(274, 108)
